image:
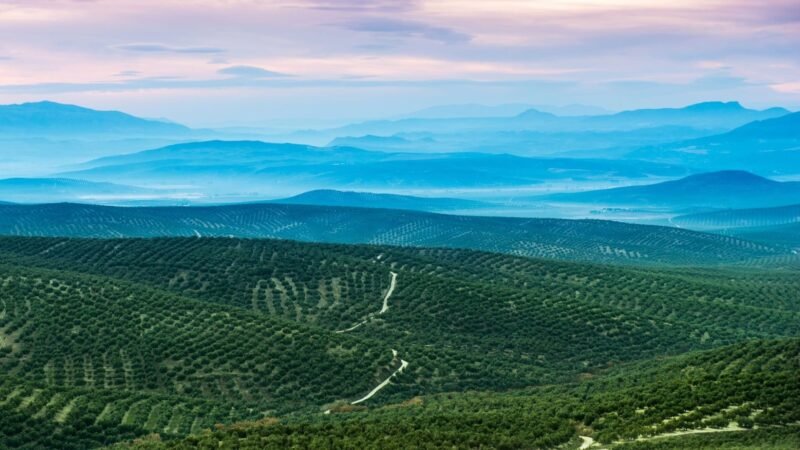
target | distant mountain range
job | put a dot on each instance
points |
(37, 139)
(710, 117)
(329, 197)
(505, 110)
(724, 189)
(56, 119)
(538, 133)
(588, 240)
(257, 166)
(768, 145)
(581, 143)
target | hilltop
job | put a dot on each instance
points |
(723, 189)
(329, 197)
(57, 119)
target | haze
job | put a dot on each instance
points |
(278, 64)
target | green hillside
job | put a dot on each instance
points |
(741, 218)
(736, 397)
(583, 240)
(785, 235)
(80, 349)
(109, 340)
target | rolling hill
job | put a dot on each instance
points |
(107, 340)
(724, 189)
(785, 235)
(585, 240)
(739, 218)
(385, 201)
(682, 403)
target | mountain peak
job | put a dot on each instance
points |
(728, 177)
(535, 113)
(716, 106)
(45, 118)
(49, 105)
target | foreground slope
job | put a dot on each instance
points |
(105, 340)
(88, 360)
(586, 240)
(736, 397)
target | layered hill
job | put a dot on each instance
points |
(710, 116)
(533, 143)
(585, 240)
(724, 189)
(538, 133)
(768, 145)
(107, 340)
(254, 165)
(328, 197)
(39, 139)
(739, 218)
(56, 119)
(785, 235)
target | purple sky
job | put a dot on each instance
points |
(213, 62)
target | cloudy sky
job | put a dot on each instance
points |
(214, 62)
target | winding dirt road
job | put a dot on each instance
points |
(384, 307)
(403, 365)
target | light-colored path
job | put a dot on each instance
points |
(728, 429)
(403, 365)
(587, 442)
(384, 308)
(389, 293)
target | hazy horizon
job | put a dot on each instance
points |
(225, 63)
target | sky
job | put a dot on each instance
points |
(262, 62)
